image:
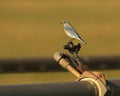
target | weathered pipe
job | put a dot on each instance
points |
(49, 89)
(114, 85)
(65, 64)
(82, 88)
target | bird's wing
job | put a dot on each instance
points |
(71, 30)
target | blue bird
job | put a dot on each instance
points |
(71, 32)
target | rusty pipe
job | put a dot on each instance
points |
(65, 64)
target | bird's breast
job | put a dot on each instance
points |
(68, 33)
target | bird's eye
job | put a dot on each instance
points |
(64, 22)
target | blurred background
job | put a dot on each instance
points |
(31, 29)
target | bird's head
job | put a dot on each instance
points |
(64, 22)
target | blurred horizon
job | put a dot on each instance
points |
(31, 28)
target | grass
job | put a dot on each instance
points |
(21, 78)
(30, 28)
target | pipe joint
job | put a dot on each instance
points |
(97, 79)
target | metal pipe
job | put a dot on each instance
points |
(49, 89)
(66, 65)
(114, 86)
(109, 89)
(82, 88)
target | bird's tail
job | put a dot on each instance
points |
(80, 39)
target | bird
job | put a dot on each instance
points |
(71, 32)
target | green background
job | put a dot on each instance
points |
(31, 28)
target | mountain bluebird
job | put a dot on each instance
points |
(70, 31)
